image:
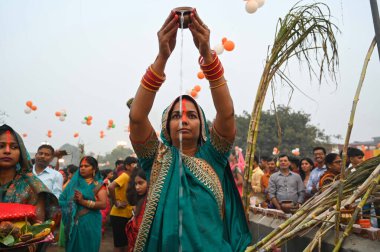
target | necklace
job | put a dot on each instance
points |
(89, 180)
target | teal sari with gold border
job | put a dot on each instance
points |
(210, 206)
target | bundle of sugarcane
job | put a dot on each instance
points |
(320, 209)
(306, 34)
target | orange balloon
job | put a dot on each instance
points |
(57, 113)
(49, 131)
(197, 88)
(229, 45)
(110, 122)
(101, 136)
(193, 93)
(224, 40)
(88, 122)
(200, 75)
(24, 135)
(76, 135)
(34, 108)
(89, 118)
(29, 104)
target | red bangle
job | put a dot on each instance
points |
(216, 66)
(212, 74)
(154, 84)
(161, 78)
(210, 66)
(152, 81)
(153, 77)
(217, 77)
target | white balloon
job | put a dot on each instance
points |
(260, 3)
(251, 6)
(27, 110)
(84, 121)
(62, 118)
(219, 49)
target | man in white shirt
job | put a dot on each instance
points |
(50, 177)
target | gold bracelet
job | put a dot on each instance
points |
(219, 85)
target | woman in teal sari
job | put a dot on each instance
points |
(81, 202)
(193, 203)
(17, 182)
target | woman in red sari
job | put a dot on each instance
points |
(136, 195)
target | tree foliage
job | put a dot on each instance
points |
(119, 153)
(296, 132)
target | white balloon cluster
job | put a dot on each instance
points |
(252, 5)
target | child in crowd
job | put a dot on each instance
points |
(136, 195)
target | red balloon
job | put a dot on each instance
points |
(193, 93)
(29, 104)
(229, 45)
(200, 75)
(197, 88)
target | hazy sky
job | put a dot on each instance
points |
(88, 56)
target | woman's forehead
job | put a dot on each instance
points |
(186, 106)
(7, 136)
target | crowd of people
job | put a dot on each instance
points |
(284, 182)
(180, 192)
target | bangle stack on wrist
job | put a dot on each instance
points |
(152, 81)
(213, 71)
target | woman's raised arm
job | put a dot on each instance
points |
(140, 125)
(224, 122)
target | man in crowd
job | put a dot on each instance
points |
(119, 168)
(121, 211)
(320, 168)
(286, 188)
(50, 177)
(355, 156)
(264, 163)
(257, 173)
(272, 168)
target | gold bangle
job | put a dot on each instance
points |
(219, 85)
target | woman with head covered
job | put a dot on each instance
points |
(193, 203)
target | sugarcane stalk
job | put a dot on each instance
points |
(365, 185)
(281, 227)
(320, 233)
(348, 229)
(290, 234)
(296, 217)
(348, 135)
